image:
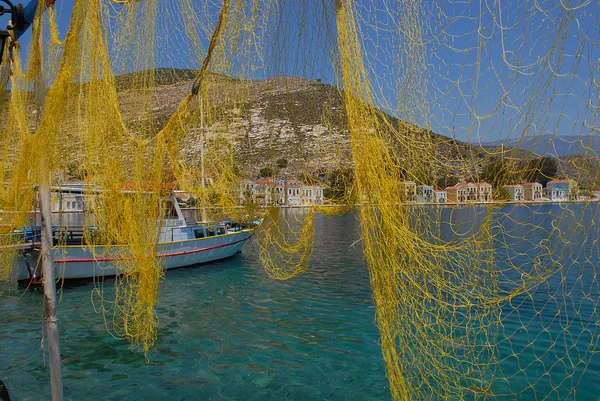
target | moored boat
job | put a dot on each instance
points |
(181, 244)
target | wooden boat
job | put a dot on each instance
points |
(180, 244)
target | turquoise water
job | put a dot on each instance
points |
(229, 332)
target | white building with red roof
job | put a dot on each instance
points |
(516, 191)
(569, 189)
(533, 191)
(457, 193)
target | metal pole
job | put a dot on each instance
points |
(203, 181)
(202, 161)
(51, 306)
(202, 173)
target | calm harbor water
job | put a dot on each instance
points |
(229, 332)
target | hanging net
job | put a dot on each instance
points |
(389, 106)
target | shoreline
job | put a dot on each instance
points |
(492, 203)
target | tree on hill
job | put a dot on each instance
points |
(540, 170)
(497, 173)
(266, 172)
(340, 183)
(321, 173)
(282, 163)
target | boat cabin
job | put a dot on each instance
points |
(174, 227)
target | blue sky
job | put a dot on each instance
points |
(488, 69)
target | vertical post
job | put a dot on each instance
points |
(50, 304)
(202, 161)
(60, 208)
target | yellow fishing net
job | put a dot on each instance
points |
(388, 105)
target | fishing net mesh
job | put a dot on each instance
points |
(385, 103)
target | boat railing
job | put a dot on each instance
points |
(197, 230)
(26, 234)
(75, 235)
(81, 235)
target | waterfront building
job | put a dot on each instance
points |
(280, 193)
(555, 194)
(246, 192)
(264, 193)
(67, 202)
(472, 192)
(568, 187)
(425, 194)
(408, 191)
(533, 191)
(440, 196)
(484, 192)
(516, 191)
(298, 194)
(457, 193)
(290, 192)
(310, 195)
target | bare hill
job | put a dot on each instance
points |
(291, 118)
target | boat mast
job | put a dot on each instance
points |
(202, 173)
(202, 160)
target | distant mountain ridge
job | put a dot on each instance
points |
(554, 145)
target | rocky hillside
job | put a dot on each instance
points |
(301, 121)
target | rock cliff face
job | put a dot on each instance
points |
(288, 123)
(277, 118)
(295, 119)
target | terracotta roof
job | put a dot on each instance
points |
(266, 183)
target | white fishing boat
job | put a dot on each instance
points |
(181, 244)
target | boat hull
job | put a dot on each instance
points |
(79, 262)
